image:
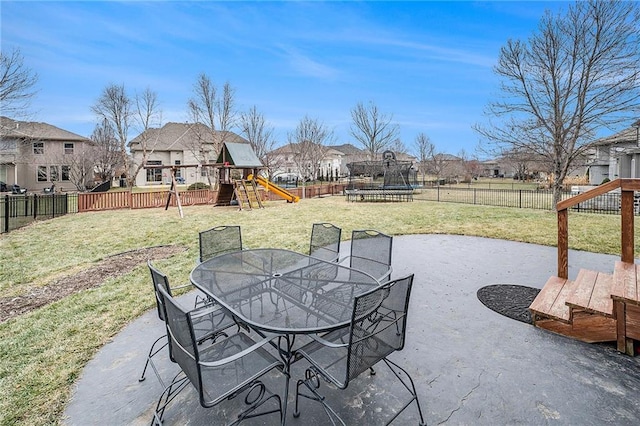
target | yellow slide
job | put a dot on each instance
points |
(281, 192)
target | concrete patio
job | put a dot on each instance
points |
(471, 366)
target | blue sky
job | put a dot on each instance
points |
(428, 64)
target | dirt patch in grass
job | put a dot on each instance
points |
(110, 267)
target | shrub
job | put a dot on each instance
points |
(198, 185)
(605, 180)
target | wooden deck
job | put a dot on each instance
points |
(596, 307)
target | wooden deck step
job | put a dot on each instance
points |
(625, 283)
(592, 293)
(550, 302)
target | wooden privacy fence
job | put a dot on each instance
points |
(140, 200)
(96, 201)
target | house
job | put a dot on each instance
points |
(178, 144)
(330, 160)
(308, 161)
(616, 156)
(38, 155)
(350, 154)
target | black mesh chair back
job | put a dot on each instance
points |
(220, 371)
(182, 339)
(212, 322)
(219, 240)
(325, 241)
(377, 329)
(159, 280)
(371, 253)
(378, 326)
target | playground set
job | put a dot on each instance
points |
(238, 165)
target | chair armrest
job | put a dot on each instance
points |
(386, 277)
(178, 287)
(328, 343)
(203, 311)
(238, 355)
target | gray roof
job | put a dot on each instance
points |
(239, 155)
(347, 149)
(629, 135)
(182, 136)
(35, 131)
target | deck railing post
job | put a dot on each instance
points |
(563, 244)
(626, 226)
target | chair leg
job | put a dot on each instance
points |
(312, 383)
(152, 352)
(179, 382)
(254, 399)
(407, 382)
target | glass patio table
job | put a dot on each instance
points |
(282, 292)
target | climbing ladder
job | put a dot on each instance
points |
(247, 194)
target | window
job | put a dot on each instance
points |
(68, 148)
(42, 173)
(54, 173)
(66, 173)
(178, 171)
(154, 175)
(38, 148)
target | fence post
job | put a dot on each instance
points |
(35, 206)
(6, 213)
(520, 199)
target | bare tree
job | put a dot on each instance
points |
(122, 113)
(106, 154)
(468, 167)
(16, 84)
(372, 129)
(80, 167)
(217, 112)
(310, 138)
(578, 73)
(522, 162)
(443, 166)
(424, 152)
(147, 121)
(398, 147)
(260, 135)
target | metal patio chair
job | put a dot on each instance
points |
(377, 329)
(219, 372)
(212, 321)
(371, 253)
(325, 241)
(219, 240)
(216, 241)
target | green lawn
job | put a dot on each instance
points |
(42, 353)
